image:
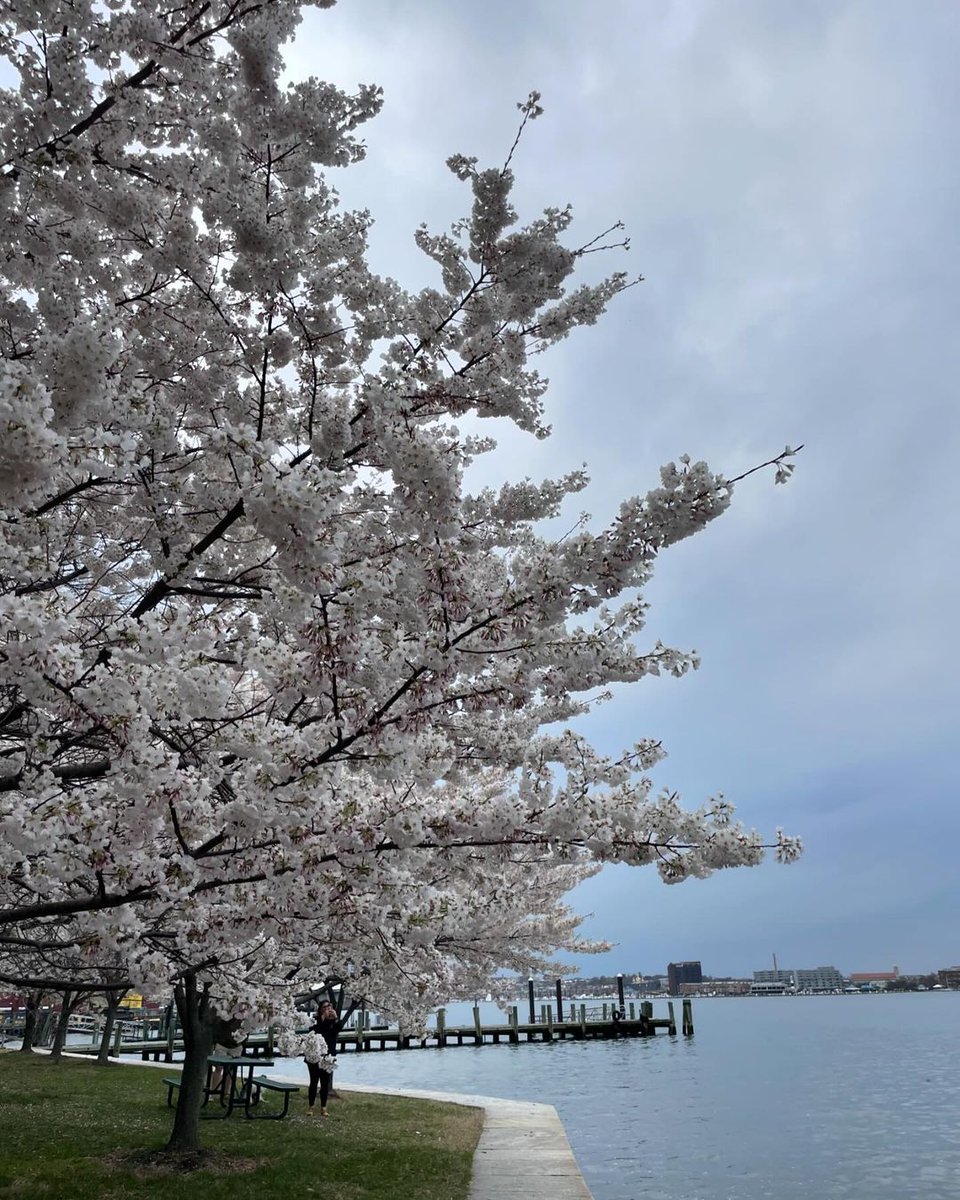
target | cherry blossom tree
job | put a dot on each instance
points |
(279, 694)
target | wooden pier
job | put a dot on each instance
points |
(581, 1024)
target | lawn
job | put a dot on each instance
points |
(74, 1131)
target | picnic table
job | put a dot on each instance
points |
(239, 1087)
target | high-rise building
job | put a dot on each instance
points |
(777, 975)
(682, 972)
(814, 979)
(819, 979)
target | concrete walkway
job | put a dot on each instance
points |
(523, 1150)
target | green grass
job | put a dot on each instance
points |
(70, 1131)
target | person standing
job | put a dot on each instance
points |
(327, 1027)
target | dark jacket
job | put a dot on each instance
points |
(329, 1030)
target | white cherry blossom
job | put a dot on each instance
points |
(280, 697)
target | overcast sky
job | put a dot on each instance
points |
(788, 174)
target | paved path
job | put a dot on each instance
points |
(523, 1150)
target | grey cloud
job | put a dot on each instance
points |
(787, 175)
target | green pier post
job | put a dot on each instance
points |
(687, 1017)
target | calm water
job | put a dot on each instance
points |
(786, 1097)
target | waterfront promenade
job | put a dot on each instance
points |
(523, 1152)
(523, 1149)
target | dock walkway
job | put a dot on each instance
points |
(162, 1046)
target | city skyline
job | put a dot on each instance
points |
(720, 974)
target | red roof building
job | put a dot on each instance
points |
(875, 976)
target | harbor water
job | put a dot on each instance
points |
(774, 1097)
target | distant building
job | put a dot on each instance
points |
(682, 972)
(716, 987)
(949, 977)
(782, 977)
(648, 983)
(819, 979)
(771, 983)
(874, 978)
(805, 979)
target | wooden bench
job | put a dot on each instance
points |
(272, 1085)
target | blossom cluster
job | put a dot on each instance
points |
(279, 697)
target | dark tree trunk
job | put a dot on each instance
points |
(109, 1019)
(197, 1020)
(69, 1003)
(34, 1000)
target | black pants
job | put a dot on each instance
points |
(321, 1078)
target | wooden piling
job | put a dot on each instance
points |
(548, 1033)
(441, 1026)
(687, 1017)
(583, 1019)
(514, 1023)
(478, 1028)
(632, 1014)
(672, 1030)
(620, 992)
(533, 1019)
(559, 1001)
